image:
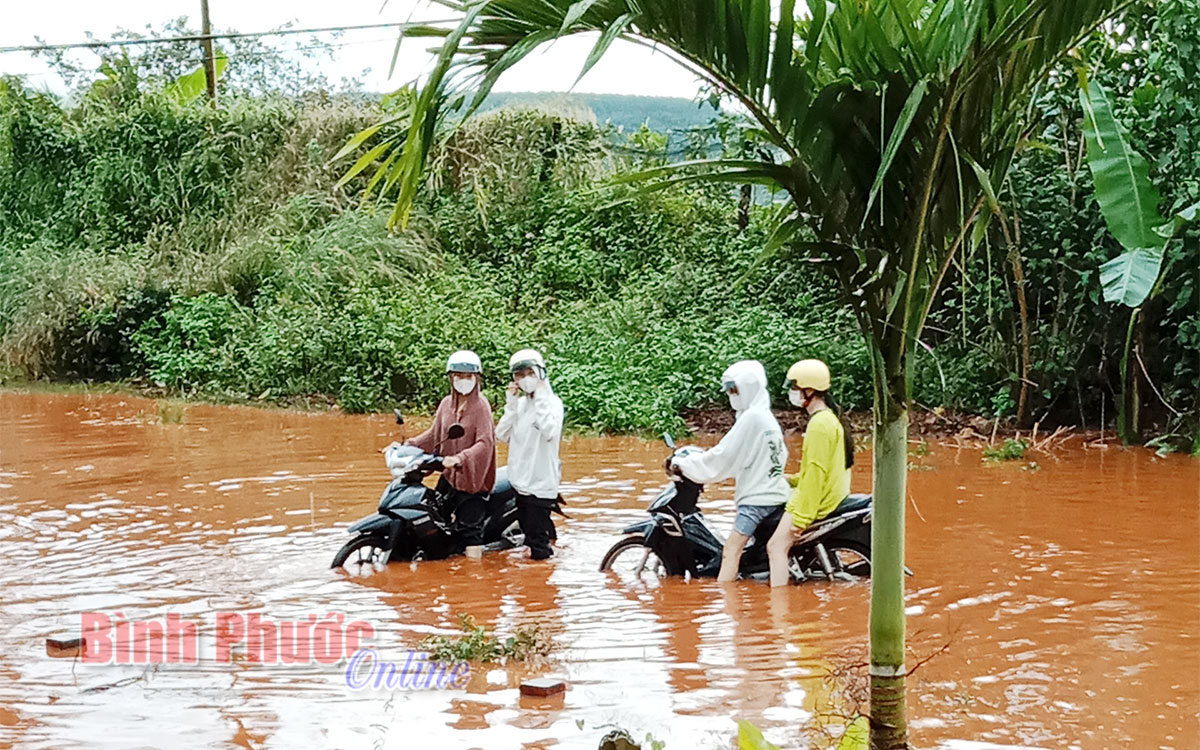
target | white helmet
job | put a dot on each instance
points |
(464, 361)
(530, 358)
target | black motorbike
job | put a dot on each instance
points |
(678, 541)
(413, 521)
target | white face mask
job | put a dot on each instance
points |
(464, 385)
(737, 401)
(796, 397)
(529, 383)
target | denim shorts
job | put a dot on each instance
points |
(750, 516)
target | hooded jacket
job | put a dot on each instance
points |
(752, 452)
(532, 427)
(476, 449)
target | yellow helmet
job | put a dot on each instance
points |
(808, 373)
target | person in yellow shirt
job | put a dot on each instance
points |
(823, 481)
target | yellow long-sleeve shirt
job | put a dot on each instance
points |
(823, 481)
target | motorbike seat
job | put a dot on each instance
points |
(852, 503)
(502, 487)
(767, 526)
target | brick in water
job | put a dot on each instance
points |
(64, 648)
(542, 687)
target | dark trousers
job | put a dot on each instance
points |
(533, 514)
(469, 513)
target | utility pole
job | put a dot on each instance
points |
(210, 63)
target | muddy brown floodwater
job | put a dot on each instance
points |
(1069, 596)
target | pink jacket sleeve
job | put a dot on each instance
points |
(428, 439)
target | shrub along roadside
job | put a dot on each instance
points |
(226, 265)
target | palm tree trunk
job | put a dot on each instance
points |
(889, 730)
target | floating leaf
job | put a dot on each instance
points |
(856, 735)
(750, 737)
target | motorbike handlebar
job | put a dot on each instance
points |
(424, 468)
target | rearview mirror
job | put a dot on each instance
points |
(399, 416)
(455, 432)
(670, 441)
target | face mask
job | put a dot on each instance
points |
(797, 398)
(737, 401)
(464, 385)
(529, 383)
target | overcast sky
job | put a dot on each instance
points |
(625, 69)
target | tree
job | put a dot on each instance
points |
(257, 66)
(893, 120)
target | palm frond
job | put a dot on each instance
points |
(861, 99)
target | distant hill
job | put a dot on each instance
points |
(627, 112)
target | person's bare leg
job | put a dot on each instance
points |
(731, 557)
(777, 551)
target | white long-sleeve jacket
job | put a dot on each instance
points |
(752, 452)
(532, 427)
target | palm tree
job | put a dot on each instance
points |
(891, 120)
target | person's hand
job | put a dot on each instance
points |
(513, 389)
(450, 462)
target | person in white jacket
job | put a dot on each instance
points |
(532, 427)
(752, 453)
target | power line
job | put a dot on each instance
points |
(284, 51)
(204, 37)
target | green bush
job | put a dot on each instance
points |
(195, 342)
(212, 251)
(1011, 450)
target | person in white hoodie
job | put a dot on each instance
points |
(752, 453)
(532, 427)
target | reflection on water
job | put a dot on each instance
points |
(1068, 596)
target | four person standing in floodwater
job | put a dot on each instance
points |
(753, 453)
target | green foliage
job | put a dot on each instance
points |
(271, 289)
(625, 112)
(191, 344)
(1076, 340)
(1012, 450)
(259, 65)
(1165, 445)
(1129, 202)
(476, 644)
(620, 739)
(1129, 277)
(129, 224)
(1127, 197)
(750, 737)
(856, 735)
(191, 86)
